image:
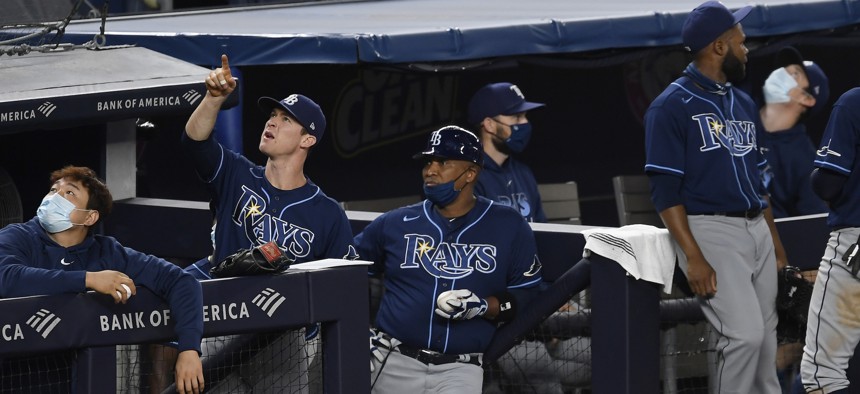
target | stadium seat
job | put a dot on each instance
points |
(560, 202)
(633, 200)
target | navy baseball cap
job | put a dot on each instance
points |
(501, 98)
(707, 22)
(819, 84)
(452, 142)
(305, 110)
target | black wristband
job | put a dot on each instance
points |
(507, 307)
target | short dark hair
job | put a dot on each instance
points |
(100, 198)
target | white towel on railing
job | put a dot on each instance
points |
(645, 252)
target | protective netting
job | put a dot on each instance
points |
(274, 362)
(38, 25)
(550, 360)
(50, 373)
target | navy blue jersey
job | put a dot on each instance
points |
(709, 140)
(789, 155)
(31, 263)
(511, 184)
(489, 251)
(839, 152)
(304, 222)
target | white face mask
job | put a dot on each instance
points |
(777, 86)
(54, 213)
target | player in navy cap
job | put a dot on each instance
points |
(796, 89)
(450, 275)
(832, 331)
(275, 202)
(704, 166)
(498, 111)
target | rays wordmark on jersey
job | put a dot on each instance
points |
(518, 201)
(738, 137)
(261, 226)
(447, 260)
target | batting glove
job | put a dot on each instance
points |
(460, 305)
(377, 341)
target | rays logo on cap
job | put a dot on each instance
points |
(303, 109)
(435, 139)
(518, 92)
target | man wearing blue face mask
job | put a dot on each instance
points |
(451, 277)
(55, 253)
(498, 111)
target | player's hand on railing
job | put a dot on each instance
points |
(189, 373)
(220, 81)
(460, 305)
(113, 283)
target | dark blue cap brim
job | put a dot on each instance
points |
(742, 13)
(523, 107)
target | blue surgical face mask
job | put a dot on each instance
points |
(442, 194)
(520, 136)
(54, 213)
(777, 86)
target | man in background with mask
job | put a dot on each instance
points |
(450, 276)
(498, 111)
(794, 91)
(56, 252)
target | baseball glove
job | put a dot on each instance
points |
(792, 305)
(260, 260)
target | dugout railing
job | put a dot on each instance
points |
(624, 323)
(336, 297)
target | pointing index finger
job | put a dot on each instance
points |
(225, 64)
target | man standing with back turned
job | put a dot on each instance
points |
(704, 168)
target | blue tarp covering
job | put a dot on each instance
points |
(402, 31)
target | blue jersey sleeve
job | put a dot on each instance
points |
(23, 274)
(370, 246)
(525, 272)
(841, 136)
(340, 240)
(207, 156)
(665, 149)
(180, 289)
(200, 268)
